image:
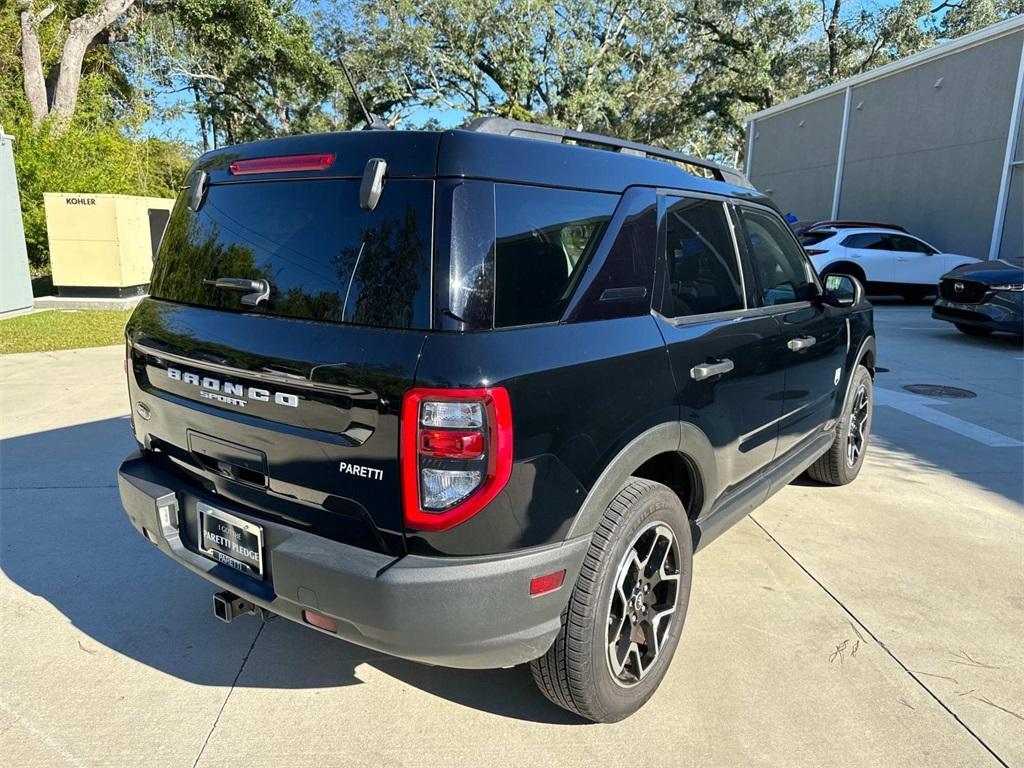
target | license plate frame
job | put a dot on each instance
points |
(229, 540)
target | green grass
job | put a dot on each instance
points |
(58, 329)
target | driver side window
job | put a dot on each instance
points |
(909, 245)
(784, 273)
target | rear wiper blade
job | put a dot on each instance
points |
(256, 291)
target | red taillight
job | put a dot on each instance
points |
(814, 251)
(456, 442)
(451, 444)
(317, 162)
(548, 583)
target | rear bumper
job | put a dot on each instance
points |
(472, 613)
(1000, 313)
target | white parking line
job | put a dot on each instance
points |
(922, 408)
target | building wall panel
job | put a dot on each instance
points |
(796, 164)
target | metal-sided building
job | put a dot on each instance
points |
(932, 142)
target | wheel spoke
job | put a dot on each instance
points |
(655, 621)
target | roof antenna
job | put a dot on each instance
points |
(373, 123)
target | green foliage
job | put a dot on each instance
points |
(90, 157)
(681, 73)
(101, 150)
(250, 66)
(45, 331)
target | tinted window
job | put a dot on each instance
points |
(702, 272)
(784, 273)
(908, 244)
(868, 240)
(623, 284)
(544, 238)
(324, 257)
(813, 238)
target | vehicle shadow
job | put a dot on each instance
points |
(65, 538)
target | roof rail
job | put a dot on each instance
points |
(854, 224)
(504, 127)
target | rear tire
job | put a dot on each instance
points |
(642, 545)
(973, 330)
(841, 463)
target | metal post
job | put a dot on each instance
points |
(748, 161)
(841, 157)
(1008, 160)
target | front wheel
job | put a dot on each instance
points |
(624, 617)
(841, 463)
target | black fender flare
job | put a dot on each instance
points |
(678, 436)
(867, 345)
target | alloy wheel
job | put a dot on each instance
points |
(640, 610)
(856, 435)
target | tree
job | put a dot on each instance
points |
(585, 65)
(250, 66)
(66, 73)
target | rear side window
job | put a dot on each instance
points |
(544, 239)
(702, 271)
(324, 257)
(813, 238)
(908, 244)
(867, 240)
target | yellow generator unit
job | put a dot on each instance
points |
(103, 245)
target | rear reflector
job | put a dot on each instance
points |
(282, 164)
(549, 583)
(319, 620)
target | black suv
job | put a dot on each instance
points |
(474, 398)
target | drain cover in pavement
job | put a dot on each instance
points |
(937, 390)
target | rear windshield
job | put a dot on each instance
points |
(324, 257)
(813, 238)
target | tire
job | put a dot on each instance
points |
(973, 330)
(835, 467)
(576, 672)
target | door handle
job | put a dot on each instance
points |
(801, 343)
(707, 370)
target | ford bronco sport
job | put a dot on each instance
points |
(475, 397)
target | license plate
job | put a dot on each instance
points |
(230, 540)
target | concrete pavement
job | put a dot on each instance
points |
(876, 624)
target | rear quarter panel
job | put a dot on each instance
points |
(580, 392)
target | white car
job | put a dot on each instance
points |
(885, 260)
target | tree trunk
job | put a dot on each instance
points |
(832, 32)
(32, 62)
(83, 30)
(201, 116)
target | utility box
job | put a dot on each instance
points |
(103, 245)
(15, 284)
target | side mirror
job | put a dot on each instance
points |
(842, 291)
